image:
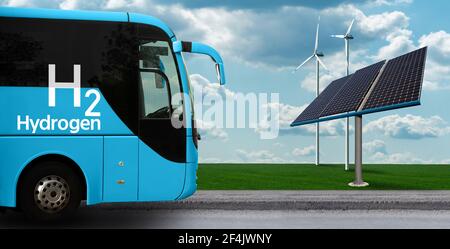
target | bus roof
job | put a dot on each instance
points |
(85, 15)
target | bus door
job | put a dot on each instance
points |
(162, 147)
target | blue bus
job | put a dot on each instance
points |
(88, 110)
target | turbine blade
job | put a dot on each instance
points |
(317, 36)
(309, 58)
(350, 27)
(321, 63)
(338, 36)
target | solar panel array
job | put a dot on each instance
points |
(319, 104)
(349, 98)
(400, 82)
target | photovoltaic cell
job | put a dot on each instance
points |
(314, 110)
(400, 82)
(350, 97)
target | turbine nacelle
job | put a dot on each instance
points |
(320, 54)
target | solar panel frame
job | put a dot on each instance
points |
(314, 110)
(350, 97)
(401, 81)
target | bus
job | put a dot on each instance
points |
(95, 106)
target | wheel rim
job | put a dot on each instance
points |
(51, 194)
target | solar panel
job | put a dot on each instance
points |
(314, 110)
(350, 97)
(399, 85)
(400, 82)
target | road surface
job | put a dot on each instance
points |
(234, 219)
(267, 209)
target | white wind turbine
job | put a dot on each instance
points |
(347, 37)
(316, 54)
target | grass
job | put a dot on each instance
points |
(323, 177)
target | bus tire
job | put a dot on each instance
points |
(49, 191)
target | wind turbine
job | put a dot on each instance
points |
(316, 54)
(347, 37)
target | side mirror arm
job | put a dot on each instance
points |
(200, 48)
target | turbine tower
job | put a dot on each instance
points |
(316, 54)
(347, 37)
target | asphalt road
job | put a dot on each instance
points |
(234, 219)
(266, 209)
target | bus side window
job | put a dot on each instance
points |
(154, 98)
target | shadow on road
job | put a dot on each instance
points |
(90, 217)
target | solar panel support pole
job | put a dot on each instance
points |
(359, 182)
(317, 124)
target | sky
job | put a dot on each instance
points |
(263, 41)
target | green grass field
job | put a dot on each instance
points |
(324, 177)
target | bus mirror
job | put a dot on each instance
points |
(219, 73)
(200, 48)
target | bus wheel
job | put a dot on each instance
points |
(49, 191)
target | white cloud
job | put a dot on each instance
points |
(261, 156)
(333, 128)
(381, 25)
(213, 90)
(375, 146)
(434, 86)
(400, 42)
(409, 126)
(437, 73)
(398, 158)
(438, 42)
(288, 113)
(210, 130)
(116, 4)
(378, 153)
(306, 151)
(210, 160)
(30, 3)
(388, 2)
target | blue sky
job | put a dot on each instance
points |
(262, 41)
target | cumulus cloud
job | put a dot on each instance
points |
(375, 146)
(210, 130)
(400, 42)
(30, 3)
(207, 88)
(210, 160)
(224, 28)
(306, 151)
(260, 156)
(382, 25)
(288, 113)
(437, 73)
(377, 152)
(439, 43)
(398, 158)
(409, 126)
(388, 2)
